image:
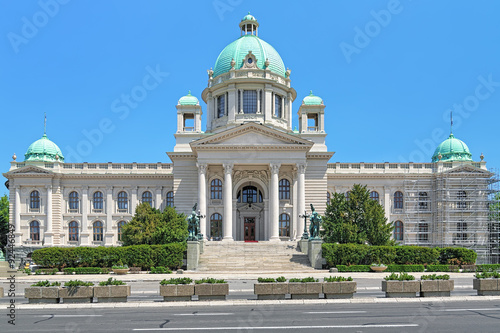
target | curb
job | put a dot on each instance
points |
(255, 302)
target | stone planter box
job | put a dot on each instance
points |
(486, 287)
(401, 288)
(344, 289)
(177, 292)
(106, 294)
(76, 294)
(436, 288)
(209, 291)
(121, 271)
(42, 294)
(305, 290)
(273, 290)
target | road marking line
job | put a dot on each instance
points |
(327, 312)
(45, 316)
(457, 310)
(204, 314)
(275, 327)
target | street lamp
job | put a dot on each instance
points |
(305, 235)
(200, 216)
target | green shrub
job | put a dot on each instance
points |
(46, 283)
(183, 280)
(405, 268)
(359, 254)
(488, 268)
(48, 271)
(84, 270)
(438, 268)
(144, 256)
(457, 256)
(281, 279)
(77, 283)
(111, 282)
(487, 275)
(353, 268)
(304, 280)
(266, 280)
(160, 270)
(399, 277)
(435, 277)
(337, 279)
(209, 280)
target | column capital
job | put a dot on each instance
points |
(85, 188)
(275, 167)
(48, 187)
(301, 167)
(202, 168)
(228, 168)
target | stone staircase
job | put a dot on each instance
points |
(253, 257)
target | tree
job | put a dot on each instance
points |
(356, 219)
(152, 226)
(4, 221)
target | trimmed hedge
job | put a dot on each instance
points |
(144, 256)
(405, 268)
(86, 270)
(488, 268)
(442, 268)
(353, 268)
(359, 254)
(457, 256)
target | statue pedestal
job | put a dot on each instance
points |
(202, 244)
(193, 255)
(304, 246)
(315, 253)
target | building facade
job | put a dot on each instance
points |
(250, 173)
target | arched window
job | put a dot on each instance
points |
(98, 231)
(170, 199)
(423, 232)
(120, 230)
(284, 188)
(73, 201)
(422, 200)
(284, 225)
(35, 230)
(328, 197)
(73, 231)
(98, 200)
(398, 231)
(147, 197)
(35, 200)
(216, 189)
(374, 196)
(122, 201)
(398, 200)
(462, 196)
(216, 226)
(249, 195)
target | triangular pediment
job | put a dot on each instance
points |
(30, 170)
(252, 135)
(467, 169)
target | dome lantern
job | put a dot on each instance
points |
(249, 25)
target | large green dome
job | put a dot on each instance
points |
(238, 49)
(452, 149)
(43, 150)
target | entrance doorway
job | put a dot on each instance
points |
(249, 228)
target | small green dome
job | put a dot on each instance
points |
(43, 150)
(238, 50)
(452, 149)
(248, 17)
(188, 100)
(312, 100)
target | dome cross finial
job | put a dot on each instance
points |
(45, 123)
(451, 122)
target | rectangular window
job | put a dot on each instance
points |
(221, 106)
(250, 101)
(278, 106)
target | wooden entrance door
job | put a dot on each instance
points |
(249, 227)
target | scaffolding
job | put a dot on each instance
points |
(454, 207)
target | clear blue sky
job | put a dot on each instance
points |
(388, 71)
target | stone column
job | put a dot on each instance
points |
(227, 219)
(387, 202)
(84, 236)
(157, 200)
(301, 196)
(17, 217)
(274, 202)
(108, 235)
(134, 199)
(202, 197)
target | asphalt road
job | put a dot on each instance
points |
(480, 316)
